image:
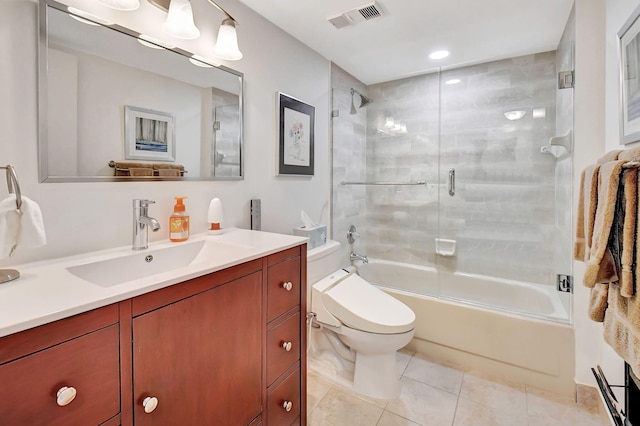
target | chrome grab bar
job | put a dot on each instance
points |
(419, 182)
(452, 182)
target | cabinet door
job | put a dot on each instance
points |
(201, 357)
(88, 364)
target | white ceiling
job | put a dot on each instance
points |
(397, 44)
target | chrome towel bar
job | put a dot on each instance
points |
(420, 182)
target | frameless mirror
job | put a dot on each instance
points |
(113, 106)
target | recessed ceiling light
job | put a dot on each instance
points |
(439, 54)
(452, 81)
(514, 115)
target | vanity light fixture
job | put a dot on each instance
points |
(179, 23)
(514, 115)
(86, 18)
(452, 81)
(121, 4)
(226, 46)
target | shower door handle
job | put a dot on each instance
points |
(452, 182)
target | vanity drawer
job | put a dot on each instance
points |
(90, 364)
(279, 338)
(283, 287)
(287, 392)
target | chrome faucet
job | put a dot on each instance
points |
(141, 224)
(360, 257)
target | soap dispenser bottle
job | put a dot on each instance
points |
(179, 222)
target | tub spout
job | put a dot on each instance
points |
(359, 257)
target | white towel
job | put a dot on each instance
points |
(31, 233)
(23, 227)
(9, 226)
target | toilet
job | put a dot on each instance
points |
(357, 328)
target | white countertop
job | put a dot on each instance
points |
(46, 291)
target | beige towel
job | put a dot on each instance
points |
(598, 302)
(600, 265)
(168, 172)
(627, 258)
(122, 167)
(140, 171)
(632, 154)
(587, 202)
(622, 326)
(611, 156)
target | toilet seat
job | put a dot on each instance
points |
(361, 306)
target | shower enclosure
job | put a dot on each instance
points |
(464, 171)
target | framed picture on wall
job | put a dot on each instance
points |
(629, 54)
(149, 135)
(296, 136)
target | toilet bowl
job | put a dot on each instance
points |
(359, 329)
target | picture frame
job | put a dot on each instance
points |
(296, 121)
(629, 61)
(149, 135)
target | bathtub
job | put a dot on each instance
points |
(510, 330)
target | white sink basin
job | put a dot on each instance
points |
(119, 270)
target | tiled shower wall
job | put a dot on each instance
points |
(504, 214)
(349, 162)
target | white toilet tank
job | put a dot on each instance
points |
(321, 261)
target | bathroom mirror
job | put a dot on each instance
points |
(114, 109)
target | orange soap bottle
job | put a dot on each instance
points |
(179, 222)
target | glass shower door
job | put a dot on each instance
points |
(498, 185)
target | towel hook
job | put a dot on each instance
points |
(12, 184)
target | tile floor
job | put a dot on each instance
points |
(434, 394)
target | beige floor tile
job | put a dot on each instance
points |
(390, 419)
(506, 398)
(424, 404)
(317, 388)
(547, 409)
(471, 413)
(338, 408)
(403, 358)
(436, 375)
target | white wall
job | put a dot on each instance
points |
(81, 217)
(597, 121)
(618, 11)
(588, 146)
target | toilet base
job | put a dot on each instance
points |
(376, 375)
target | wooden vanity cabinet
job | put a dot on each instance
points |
(200, 356)
(77, 355)
(286, 338)
(228, 348)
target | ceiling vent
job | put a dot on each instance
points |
(365, 12)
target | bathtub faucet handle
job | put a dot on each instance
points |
(352, 234)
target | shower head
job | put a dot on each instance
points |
(364, 101)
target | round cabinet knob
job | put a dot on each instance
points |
(150, 403)
(287, 346)
(65, 395)
(287, 405)
(287, 285)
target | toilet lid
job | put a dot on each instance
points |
(360, 305)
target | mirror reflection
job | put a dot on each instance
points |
(114, 107)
